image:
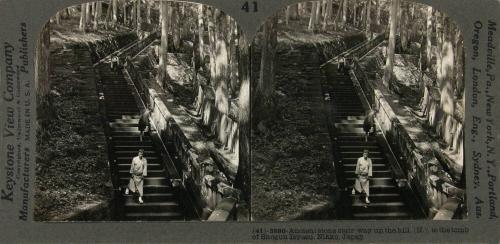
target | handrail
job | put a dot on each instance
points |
(113, 168)
(356, 51)
(366, 87)
(139, 90)
(129, 48)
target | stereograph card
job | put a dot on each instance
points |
(249, 121)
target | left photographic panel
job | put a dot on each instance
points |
(142, 113)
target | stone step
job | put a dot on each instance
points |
(358, 137)
(156, 188)
(376, 173)
(127, 160)
(125, 133)
(125, 167)
(379, 197)
(359, 153)
(151, 197)
(358, 148)
(359, 143)
(359, 206)
(351, 122)
(149, 181)
(382, 216)
(379, 189)
(151, 172)
(151, 207)
(133, 153)
(351, 130)
(121, 125)
(128, 117)
(146, 142)
(375, 181)
(154, 216)
(126, 120)
(121, 107)
(125, 129)
(351, 166)
(375, 160)
(119, 147)
(133, 139)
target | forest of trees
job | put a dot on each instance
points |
(413, 29)
(221, 52)
(212, 40)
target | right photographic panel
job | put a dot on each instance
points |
(358, 113)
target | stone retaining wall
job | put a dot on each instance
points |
(419, 166)
(203, 179)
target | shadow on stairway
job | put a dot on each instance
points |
(387, 199)
(162, 201)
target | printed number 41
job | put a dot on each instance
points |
(246, 7)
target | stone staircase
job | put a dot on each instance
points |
(161, 202)
(387, 202)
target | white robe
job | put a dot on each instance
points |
(138, 169)
(363, 172)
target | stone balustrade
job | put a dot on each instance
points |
(418, 165)
(199, 174)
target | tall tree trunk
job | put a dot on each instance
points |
(212, 40)
(133, 14)
(97, 15)
(233, 60)
(448, 61)
(379, 9)
(337, 16)
(354, 13)
(243, 175)
(139, 18)
(87, 14)
(83, 21)
(439, 45)
(176, 25)
(222, 74)
(403, 32)
(362, 15)
(115, 12)
(389, 64)
(318, 14)
(327, 14)
(42, 82)
(301, 10)
(287, 15)
(201, 33)
(368, 19)
(109, 17)
(294, 11)
(163, 53)
(429, 37)
(312, 16)
(266, 82)
(148, 12)
(344, 13)
(125, 12)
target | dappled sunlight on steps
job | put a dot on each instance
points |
(161, 202)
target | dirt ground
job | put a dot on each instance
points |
(71, 167)
(291, 153)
